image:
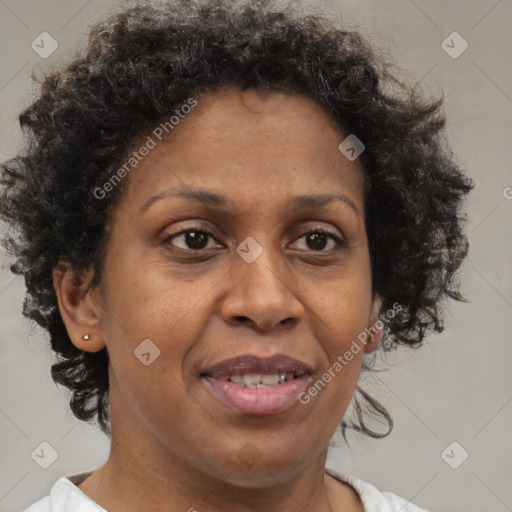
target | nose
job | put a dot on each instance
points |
(262, 294)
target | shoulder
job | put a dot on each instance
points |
(42, 505)
(374, 500)
(65, 496)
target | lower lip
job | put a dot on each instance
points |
(271, 400)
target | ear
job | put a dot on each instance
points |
(79, 308)
(375, 326)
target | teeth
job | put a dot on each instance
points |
(251, 380)
(270, 380)
(255, 381)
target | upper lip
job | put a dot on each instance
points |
(251, 364)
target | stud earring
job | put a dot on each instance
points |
(86, 337)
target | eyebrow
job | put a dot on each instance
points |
(212, 199)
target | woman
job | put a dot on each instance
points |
(223, 208)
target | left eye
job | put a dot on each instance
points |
(318, 239)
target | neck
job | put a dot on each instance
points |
(128, 482)
(142, 473)
(146, 477)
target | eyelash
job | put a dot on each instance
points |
(340, 243)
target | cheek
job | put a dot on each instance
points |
(149, 300)
(172, 314)
(340, 315)
(341, 309)
(149, 328)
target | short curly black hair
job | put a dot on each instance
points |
(143, 62)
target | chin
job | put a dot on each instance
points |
(252, 469)
(259, 477)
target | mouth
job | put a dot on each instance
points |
(252, 385)
(259, 381)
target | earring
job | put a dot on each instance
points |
(86, 337)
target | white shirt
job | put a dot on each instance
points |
(65, 496)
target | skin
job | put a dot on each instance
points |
(175, 446)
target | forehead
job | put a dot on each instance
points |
(247, 143)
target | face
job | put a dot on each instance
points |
(215, 254)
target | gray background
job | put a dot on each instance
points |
(456, 388)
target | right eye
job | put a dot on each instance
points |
(192, 239)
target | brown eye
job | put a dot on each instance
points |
(191, 239)
(318, 239)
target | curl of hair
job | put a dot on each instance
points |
(143, 62)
